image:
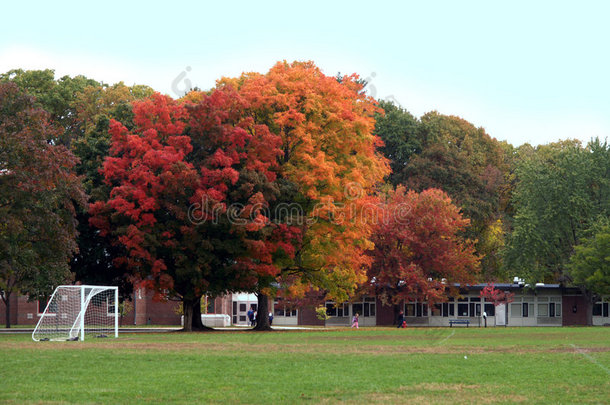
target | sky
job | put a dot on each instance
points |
(527, 72)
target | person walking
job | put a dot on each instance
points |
(355, 321)
(401, 320)
(250, 314)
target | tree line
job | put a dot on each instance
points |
(289, 183)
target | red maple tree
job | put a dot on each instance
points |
(176, 180)
(419, 251)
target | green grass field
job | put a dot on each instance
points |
(458, 365)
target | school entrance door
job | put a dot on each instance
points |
(242, 302)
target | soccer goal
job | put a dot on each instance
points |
(74, 311)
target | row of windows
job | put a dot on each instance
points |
(526, 310)
(471, 307)
(279, 309)
(546, 307)
(364, 308)
(447, 309)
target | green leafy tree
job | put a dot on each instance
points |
(561, 189)
(57, 97)
(38, 193)
(589, 266)
(398, 129)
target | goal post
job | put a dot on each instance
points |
(76, 311)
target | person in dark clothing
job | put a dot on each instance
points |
(251, 317)
(401, 319)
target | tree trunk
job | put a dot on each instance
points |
(192, 316)
(262, 314)
(187, 310)
(197, 323)
(6, 297)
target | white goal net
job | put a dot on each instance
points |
(76, 311)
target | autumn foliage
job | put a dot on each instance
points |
(329, 163)
(495, 296)
(174, 179)
(419, 251)
(198, 186)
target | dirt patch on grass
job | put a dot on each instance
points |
(442, 393)
(133, 345)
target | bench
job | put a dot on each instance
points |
(459, 322)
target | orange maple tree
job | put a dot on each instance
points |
(329, 166)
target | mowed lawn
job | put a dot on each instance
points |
(369, 365)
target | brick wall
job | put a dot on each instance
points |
(22, 311)
(573, 310)
(26, 312)
(385, 314)
(308, 316)
(14, 310)
(147, 311)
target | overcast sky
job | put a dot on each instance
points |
(530, 72)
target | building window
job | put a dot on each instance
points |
(331, 309)
(549, 307)
(445, 309)
(451, 307)
(490, 309)
(543, 310)
(281, 309)
(515, 309)
(369, 309)
(211, 307)
(341, 310)
(110, 305)
(475, 309)
(462, 309)
(42, 305)
(600, 309)
(416, 309)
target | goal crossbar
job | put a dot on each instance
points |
(74, 311)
